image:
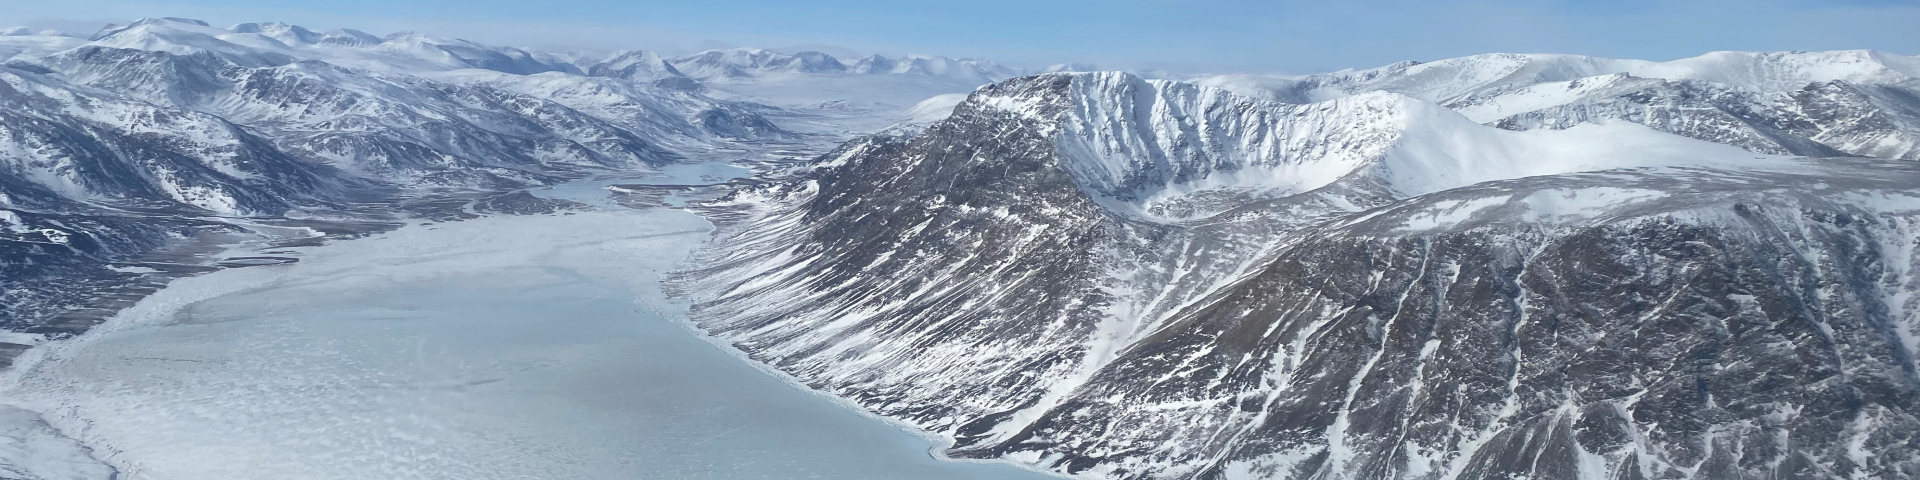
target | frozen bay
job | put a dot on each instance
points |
(502, 347)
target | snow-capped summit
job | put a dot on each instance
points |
(873, 64)
(634, 65)
(750, 62)
(113, 28)
(972, 69)
(279, 43)
(810, 62)
(297, 35)
(456, 53)
(189, 37)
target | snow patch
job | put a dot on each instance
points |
(1560, 205)
(1447, 213)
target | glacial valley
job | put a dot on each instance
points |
(263, 251)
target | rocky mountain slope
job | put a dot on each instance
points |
(1112, 277)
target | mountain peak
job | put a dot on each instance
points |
(634, 65)
(298, 35)
(188, 21)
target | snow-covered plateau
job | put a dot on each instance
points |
(264, 251)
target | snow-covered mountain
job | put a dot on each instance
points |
(1113, 277)
(974, 69)
(176, 117)
(257, 44)
(634, 65)
(69, 143)
(748, 62)
(1805, 103)
(152, 131)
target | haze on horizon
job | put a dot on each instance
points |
(1202, 36)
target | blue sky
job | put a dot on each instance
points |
(1207, 35)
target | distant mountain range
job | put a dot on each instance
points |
(414, 51)
(112, 145)
(752, 62)
(1803, 103)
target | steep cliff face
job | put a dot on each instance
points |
(1450, 300)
